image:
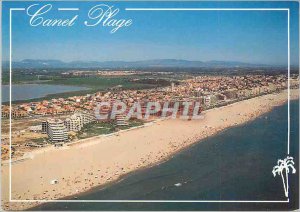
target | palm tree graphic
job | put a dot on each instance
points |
(283, 169)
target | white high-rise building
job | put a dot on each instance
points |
(78, 120)
(44, 127)
(88, 117)
(121, 120)
(74, 123)
(56, 130)
(172, 86)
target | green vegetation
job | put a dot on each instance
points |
(95, 129)
(18, 78)
(27, 77)
(39, 140)
(93, 83)
(99, 82)
(132, 123)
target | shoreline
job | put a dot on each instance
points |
(86, 141)
(81, 89)
(163, 150)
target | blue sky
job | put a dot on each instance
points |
(246, 36)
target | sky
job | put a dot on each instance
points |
(258, 37)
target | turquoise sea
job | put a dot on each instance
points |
(235, 164)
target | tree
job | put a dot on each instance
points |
(283, 169)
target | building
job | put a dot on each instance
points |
(74, 123)
(44, 127)
(56, 130)
(19, 114)
(172, 86)
(104, 113)
(207, 100)
(88, 117)
(121, 120)
(78, 120)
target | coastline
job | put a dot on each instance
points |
(133, 150)
(81, 90)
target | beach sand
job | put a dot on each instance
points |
(96, 161)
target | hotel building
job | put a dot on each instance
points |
(121, 120)
(74, 123)
(56, 130)
(78, 120)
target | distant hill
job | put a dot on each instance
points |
(161, 63)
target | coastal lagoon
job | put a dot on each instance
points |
(33, 91)
(235, 164)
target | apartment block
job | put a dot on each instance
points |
(56, 130)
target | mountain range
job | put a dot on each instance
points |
(159, 63)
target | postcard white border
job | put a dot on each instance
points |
(149, 201)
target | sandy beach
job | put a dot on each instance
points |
(93, 162)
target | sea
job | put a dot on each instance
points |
(32, 91)
(234, 165)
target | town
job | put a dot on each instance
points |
(61, 120)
